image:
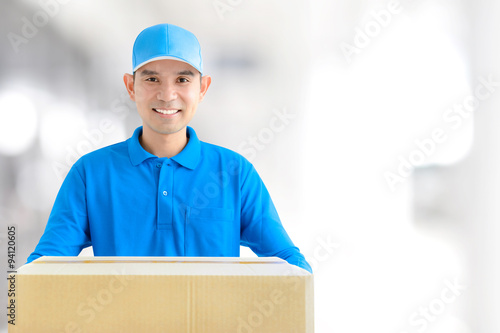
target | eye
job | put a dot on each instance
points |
(152, 79)
(183, 80)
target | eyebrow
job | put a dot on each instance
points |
(186, 72)
(146, 72)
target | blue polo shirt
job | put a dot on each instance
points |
(205, 201)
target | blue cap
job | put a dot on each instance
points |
(166, 41)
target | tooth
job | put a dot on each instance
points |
(166, 111)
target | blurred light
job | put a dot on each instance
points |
(18, 123)
(36, 185)
(105, 128)
(424, 74)
(60, 129)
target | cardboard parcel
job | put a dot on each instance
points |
(160, 294)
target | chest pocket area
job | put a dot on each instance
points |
(211, 232)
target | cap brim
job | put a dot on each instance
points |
(163, 58)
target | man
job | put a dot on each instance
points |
(163, 192)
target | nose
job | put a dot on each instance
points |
(167, 92)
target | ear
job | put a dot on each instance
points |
(128, 79)
(205, 83)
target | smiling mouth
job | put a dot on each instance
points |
(166, 111)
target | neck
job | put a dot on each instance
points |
(163, 145)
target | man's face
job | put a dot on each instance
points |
(167, 93)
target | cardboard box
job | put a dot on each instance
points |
(160, 294)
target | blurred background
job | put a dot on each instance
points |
(373, 124)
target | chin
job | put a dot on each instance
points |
(170, 131)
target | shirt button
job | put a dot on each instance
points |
(165, 193)
(158, 165)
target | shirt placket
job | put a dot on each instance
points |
(165, 196)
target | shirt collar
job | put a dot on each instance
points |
(188, 157)
(191, 154)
